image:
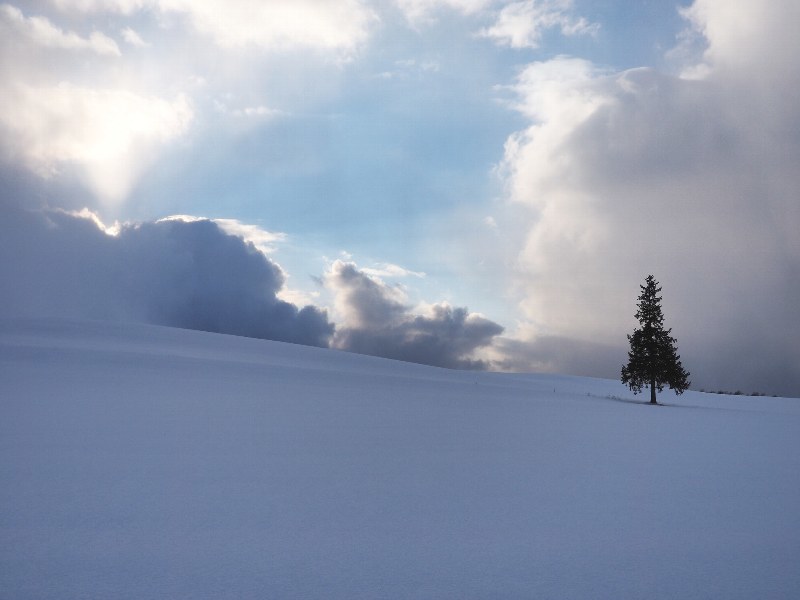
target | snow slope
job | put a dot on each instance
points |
(144, 462)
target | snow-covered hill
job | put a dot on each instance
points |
(143, 462)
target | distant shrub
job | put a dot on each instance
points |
(738, 393)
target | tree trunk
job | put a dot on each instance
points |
(653, 390)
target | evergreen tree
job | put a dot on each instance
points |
(653, 359)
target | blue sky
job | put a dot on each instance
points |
(530, 160)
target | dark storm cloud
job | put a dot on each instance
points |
(176, 273)
(378, 322)
(191, 274)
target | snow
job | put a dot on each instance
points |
(144, 462)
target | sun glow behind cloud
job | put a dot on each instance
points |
(111, 134)
(110, 127)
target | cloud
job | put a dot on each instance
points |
(247, 113)
(521, 24)
(133, 38)
(40, 31)
(73, 106)
(97, 130)
(555, 354)
(262, 239)
(319, 24)
(693, 180)
(410, 67)
(259, 112)
(188, 272)
(391, 270)
(341, 26)
(125, 7)
(377, 321)
(423, 11)
(518, 24)
(110, 134)
(181, 273)
(755, 40)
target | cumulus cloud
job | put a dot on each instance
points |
(181, 273)
(262, 239)
(376, 320)
(694, 180)
(754, 40)
(521, 24)
(190, 272)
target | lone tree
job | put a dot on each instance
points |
(653, 359)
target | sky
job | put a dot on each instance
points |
(465, 183)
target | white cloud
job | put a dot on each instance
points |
(410, 66)
(424, 11)
(246, 114)
(391, 270)
(755, 38)
(340, 26)
(42, 32)
(261, 238)
(259, 111)
(66, 114)
(521, 24)
(123, 6)
(306, 23)
(90, 215)
(109, 134)
(556, 95)
(133, 38)
(63, 114)
(694, 181)
(297, 297)
(182, 219)
(517, 24)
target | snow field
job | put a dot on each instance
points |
(146, 462)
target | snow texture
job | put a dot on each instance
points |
(146, 462)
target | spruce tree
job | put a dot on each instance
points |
(653, 359)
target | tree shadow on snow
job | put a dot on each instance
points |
(642, 402)
(646, 402)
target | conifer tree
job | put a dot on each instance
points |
(653, 358)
